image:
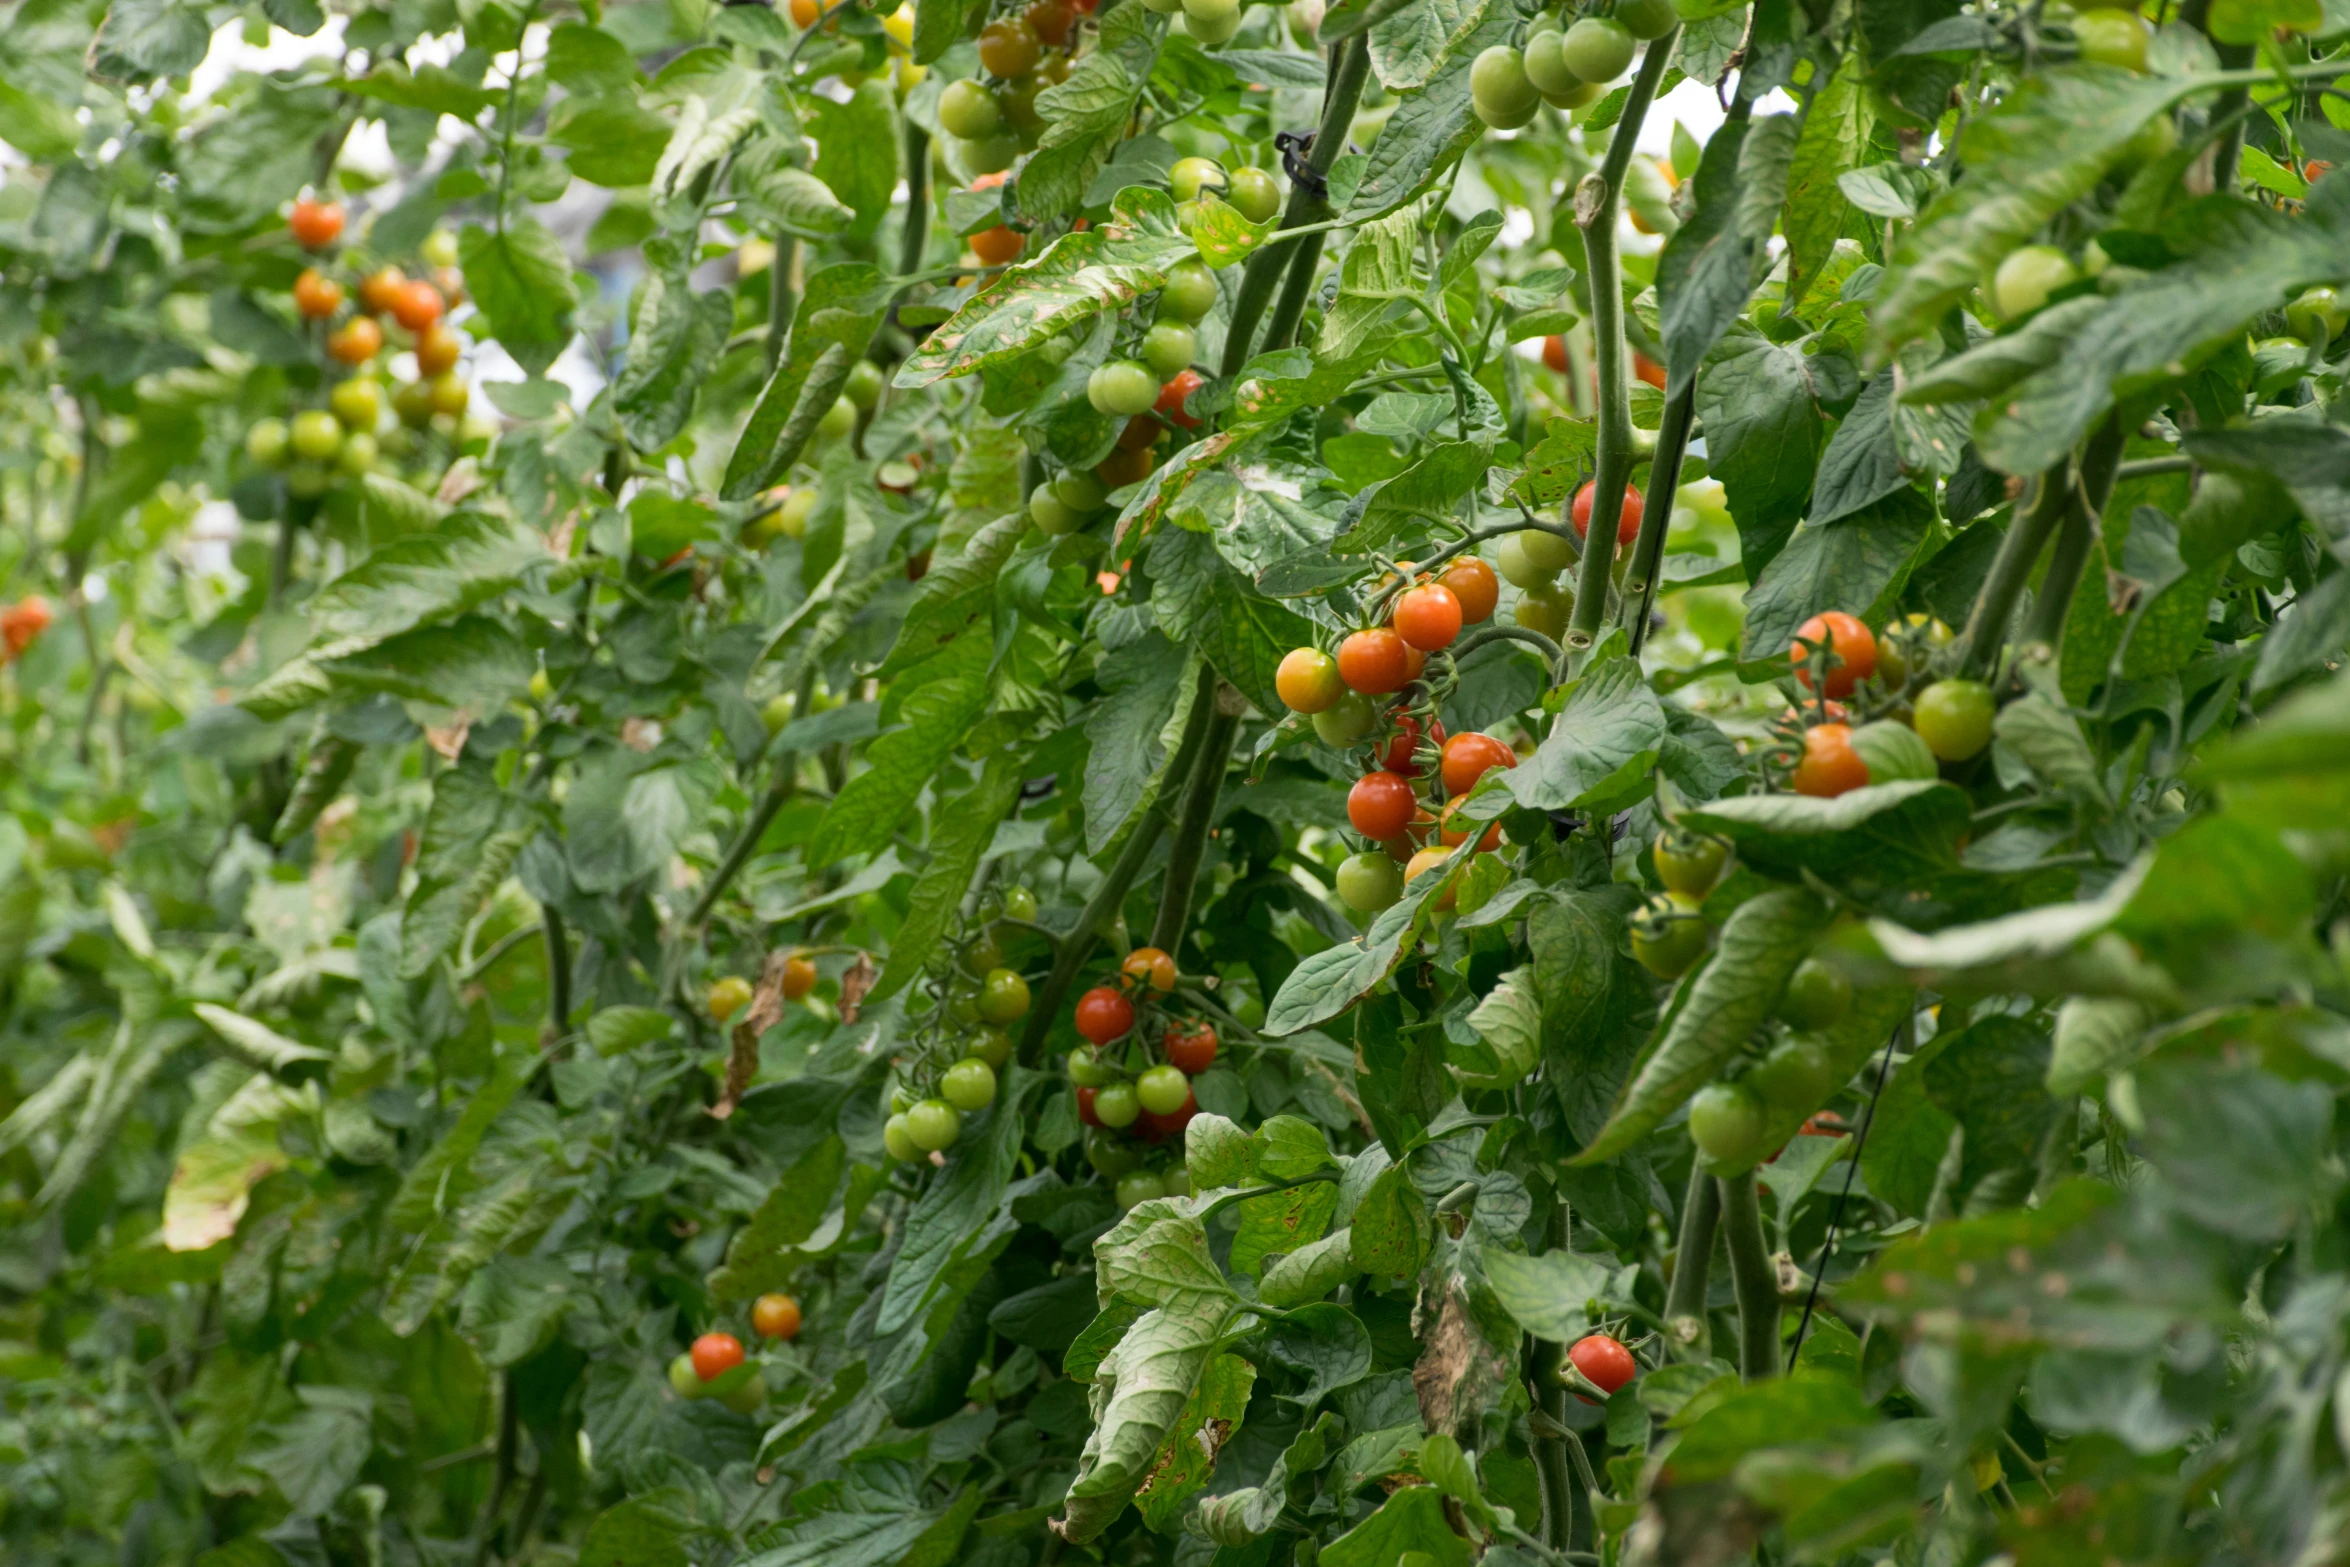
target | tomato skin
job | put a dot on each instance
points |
(968, 110)
(1400, 755)
(1598, 48)
(1416, 833)
(1668, 936)
(1727, 1122)
(1554, 353)
(1122, 388)
(1428, 616)
(2026, 278)
(1308, 680)
(1796, 1077)
(998, 246)
(417, 306)
(316, 295)
(1627, 524)
(1369, 881)
(380, 288)
(1190, 292)
(1649, 370)
(1689, 864)
(356, 341)
(316, 224)
(1450, 835)
(1380, 805)
(1003, 997)
(934, 1125)
(1830, 765)
(22, 623)
(1347, 721)
(1009, 48)
(1176, 394)
(1104, 1014)
(776, 1316)
(1474, 586)
(1499, 91)
(1115, 1106)
(1954, 718)
(1848, 637)
(968, 1085)
(1122, 468)
(438, 348)
(1139, 1187)
(1162, 1089)
(715, 1354)
(1255, 193)
(729, 996)
(1191, 1048)
(1158, 1126)
(2109, 35)
(1375, 662)
(1149, 966)
(1605, 1361)
(799, 977)
(1051, 20)
(1468, 757)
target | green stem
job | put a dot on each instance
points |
(783, 300)
(1297, 285)
(1348, 68)
(2233, 57)
(1191, 832)
(1596, 202)
(1656, 516)
(1757, 1288)
(746, 843)
(1685, 1309)
(558, 972)
(1550, 1397)
(2076, 536)
(1986, 626)
(917, 233)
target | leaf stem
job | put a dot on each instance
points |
(1986, 626)
(916, 238)
(2075, 536)
(1552, 654)
(1656, 516)
(1685, 1309)
(1596, 202)
(1751, 1278)
(746, 843)
(1191, 831)
(1543, 1359)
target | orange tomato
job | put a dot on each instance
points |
(22, 623)
(1428, 616)
(437, 350)
(1649, 370)
(1830, 765)
(381, 288)
(1374, 662)
(1473, 583)
(417, 305)
(1123, 467)
(316, 223)
(1848, 637)
(1554, 353)
(776, 1316)
(996, 246)
(316, 295)
(356, 341)
(799, 977)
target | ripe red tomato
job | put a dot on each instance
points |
(1397, 756)
(22, 623)
(1174, 395)
(1854, 645)
(1605, 1361)
(1554, 353)
(1649, 370)
(1627, 525)
(1051, 19)
(1451, 834)
(1375, 662)
(1830, 765)
(315, 224)
(996, 246)
(1154, 1127)
(1085, 1107)
(1191, 1047)
(1428, 616)
(417, 305)
(715, 1354)
(1104, 1014)
(379, 290)
(776, 1316)
(1149, 966)
(1408, 843)
(356, 341)
(316, 295)
(1469, 757)
(1380, 805)
(799, 977)
(1473, 583)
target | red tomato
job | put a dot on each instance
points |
(1397, 756)
(1191, 1048)
(1830, 765)
(1175, 394)
(996, 246)
(1649, 370)
(1469, 757)
(316, 223)
(1605, 1361)
(1851, 641)
(1380, 805)
(1375, 662)
(715, 1354)
(1627, 525)
(1085, 1107)
(1149, 966)
(1407, 843)
(1104, 1014)
(22, 623)
(1428, 616)
(776, 1316)
(1473, 583)
(1450, 835)
(988, 181)
(1155, 1128)
(1051, 19)
(1554, 353)
(417, 305)
(316, 295)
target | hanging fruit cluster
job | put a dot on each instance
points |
(1913, 718)
(979, 1004)
(1566, 60)
(1132, 1080)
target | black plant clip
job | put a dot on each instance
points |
(1296, 147)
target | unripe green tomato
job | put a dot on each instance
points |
(1190, 176)
(1254, 193)
(987, 154)
(746, 1399)
(1115, 1105)
(864, 384)
(1086, 1069)
(1162, 1090)
(449, 394)
(968, 1085)
(1163, 7)
(1668, 937)
(1190, 291)
(1122, 388)
(1598, 49)
(412, 403)
(308, 480)
(268, 444)
(1518, 568)
(1689, 864)
(1547, 610)
(1727, 1121)
(897, 1141)
(1544, 551)
(1211, 32)
(1797, 1077)
(1050, 514)
(1817, 996)
(968, 110)
(1168, 347)
(317, 434)
(776, 712)
(1347, 721)
(1546, 63)
(1110, 1155)
(2111, 36)
(358, 403)
(1580, 96)
(1646, 19)
(1499, 90)
(2028, 276)
(1082, 493)
(991, 1045)
(684, 1380)
(934, 1124)
(542, 687)
(1019, 904)
(798, 507)
(1003, 997)
(838, 420)
(2316, 317)
(1176, 1182)
(982, 955)
(1369, 881)
(1954, 717)
(2155, 139)
(357, 455)
(1139, 1187)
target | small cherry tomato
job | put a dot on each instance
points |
(438, 348)
(1380, 805)
(1954, 717)
(1668, 935)
(1452, 833)
(1468, 757)
(799, 977)
(356, 341)
(729, 996)
(1162, 1089)
(1848, 638)
(381, 288)
(1158, 1126)
(715, 1354)
(1627, 525)
(776, 1316)
(1003, 997)
(1473, 584)
(934, 1124)
(1830, 765)
(1605, 1361)
(1689, 864)
(1400, 755)
(1149, 966)
(1817, 996)
(316, 224)
(1085, 1113)
(1375, 662)
(1104, 1014)
(1369, 881)
(1191, 1047)
(998, 246)
(1554, 353)
(316, 295)
(1308, 680)
(1649, 370)
(1728, 1121)
(417, 305)
(1115, 1105)
(1175, 394)
(1428, 616)
(968, 1085)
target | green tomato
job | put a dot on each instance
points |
(1543, 551)
(1190, 291)
(1796, 1078)
(746, 1399)
(1954, 718)
(968, 1085)
(684, 1380)
(358, 453)
(1019, 904)
(1082, 493)
(2316, 317)
(267, 443)
(798, 507)
(1689, 864)
(988, 154)
(1347, 721)
(897, 1141)
(1003, 996)
(1669, 936)
(1116, 1105)
(358, 403)
(1086, 1069)
(542, 687)
(1727, 1121)
(1168, 347)
(1598, 49)
(1499, 90)
(777, 712)
(1518, 568)
(1211, 32)
(1646, 19)
(1162, 1090)
(308, 480)
(1546, 610)
(1817, 996)
(1050, 515)
(317, 434)
(1546, 62)
(982, 955)
(864, 384)
(1176, 1182)
(838, 420)
(934, 1124)
(1893, 752)
(1139, 1187)
(993, 1046)
(1369, 881)
(1190, 176)
(2028, 276)
(1255, 194)
(1122, 388)
(968, 110)
(2111, 36)
(1111, 1156)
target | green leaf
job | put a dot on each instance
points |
(1412, 44)
(1224, 236)
(857, 151)
(512, 1304)
(151, 38)
(948, 1220)
(1389, 1227)
(839, 312)
(1601, 750)
(589, 61)
(677, 337)
(1598, 1005)
(647, 1530)
(1147, 690)
(965, 826)
(875, 1518)
(213, 1177)
(520, 280)
(37, 126)
(627, 813)
(1330, 981)
(938, 703)
(1085, 116)
(1289, 1148)
(1411, 1520)
(1186, 1459)
(1836, 129)
(1433, 125)
(941, 24)
(259, 1045)
(1236, 1517)
(2257, 21)
(1279, 1223)
(2239, 1150)
(1763, 940)
(1895, 830)
(958, 595)
(1049, 1317)
(241, 165)
(1139, 1392)
(1325, 1344)
(1710, 265)
(318, 1453)
(1763, 434)
(1429, 491)
(759, 1256)
(1550, 1296)
(1310, 1272)
(472, 834)
(1857, 565)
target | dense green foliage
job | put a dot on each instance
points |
(661, 656)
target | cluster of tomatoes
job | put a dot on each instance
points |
(1918, 720)
(1564, 65)
(983, 1001)
(21, 625)
(994, 118)
(350, 436)
(715, 1366)
(1142, 1094)
(730, 994)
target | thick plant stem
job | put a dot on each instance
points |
(1693, 1256)
(1656, 515)
(1258, 279)
(1297, 285)
(2011, 568)
(1596, 203)
(2232, 57)
(1191, 831)
(917, 232)
(783, 298)
(2076, 536)
(1550, 1400)
(1751, 1278)
(558, 973)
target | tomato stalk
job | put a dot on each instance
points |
(1648, 549)
(2076, 535)
(1263, 271)
(1199, 811)
(558, 973)
(1685, 1310)
(1550, 1436)
(1596, 202)
(916, 238)
(2027, 535)
(1751, 1277)
(2225, 109)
